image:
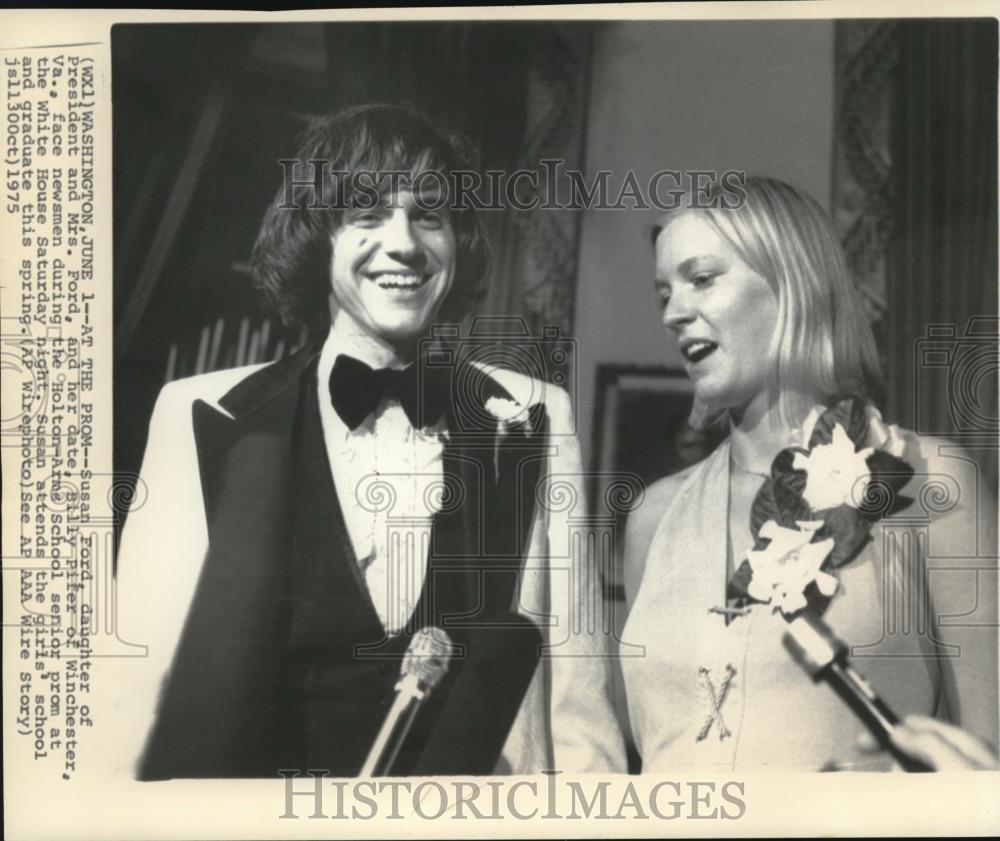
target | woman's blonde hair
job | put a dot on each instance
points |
(822, 344)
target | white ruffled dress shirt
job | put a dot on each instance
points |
(389, 478)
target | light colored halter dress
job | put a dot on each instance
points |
(707, 695)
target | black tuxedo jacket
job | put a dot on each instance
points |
(206, 552)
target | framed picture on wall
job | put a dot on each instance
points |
(640, 428)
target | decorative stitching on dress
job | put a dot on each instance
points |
(716, 701)
(730, 611)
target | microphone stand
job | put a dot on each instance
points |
(424, 664)
(409, 696)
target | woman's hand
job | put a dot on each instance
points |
(943, 746)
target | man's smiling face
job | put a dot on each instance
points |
(393, 265)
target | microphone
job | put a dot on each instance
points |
(472, 728)
(424, 664)
(824, 656)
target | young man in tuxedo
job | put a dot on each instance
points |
(305, 518)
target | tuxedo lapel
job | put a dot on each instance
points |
(452, 586)
(261, 406)
(511, 498)
(250, 439)
(479, 536)
(219, 713)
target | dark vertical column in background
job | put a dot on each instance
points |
(942, 270)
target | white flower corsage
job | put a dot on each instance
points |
(788, 564)
(836, 473)
(812, 515)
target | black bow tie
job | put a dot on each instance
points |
(356, 390)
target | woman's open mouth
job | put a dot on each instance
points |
(698, 349)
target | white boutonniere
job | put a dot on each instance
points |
(836, 474)
(509, 413)
(788, 564)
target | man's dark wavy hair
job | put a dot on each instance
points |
(291, 257)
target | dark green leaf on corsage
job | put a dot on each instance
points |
(764, 508)
(850, 414)
(882, 462)
(738, 585)
(775, 501)
(816, 602)
(889, 475)
(849, 530)
(784, 474)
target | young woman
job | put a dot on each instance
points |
(812, 505)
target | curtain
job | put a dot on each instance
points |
(519, 92)
(865, 52)
(942, 262)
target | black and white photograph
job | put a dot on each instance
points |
(512, 422)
